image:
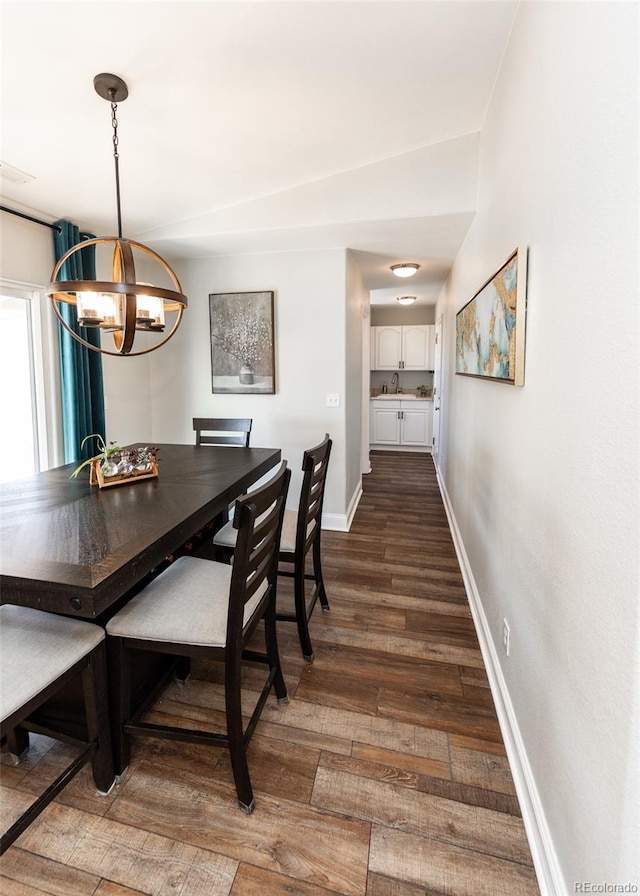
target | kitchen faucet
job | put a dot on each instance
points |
(395, 380)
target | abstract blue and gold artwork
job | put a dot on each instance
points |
(490, 327)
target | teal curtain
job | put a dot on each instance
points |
(80, 368)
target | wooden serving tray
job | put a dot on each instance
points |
(96, 476)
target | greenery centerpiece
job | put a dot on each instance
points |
(114, 464)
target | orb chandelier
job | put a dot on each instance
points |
(406, 269)
(123, 305)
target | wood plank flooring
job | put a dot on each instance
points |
(385, 775)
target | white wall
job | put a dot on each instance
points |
(543, 480)
(127, 398)
(310, 333)
(26, 251)
(357, 307)
(396, 316)
(27, 259)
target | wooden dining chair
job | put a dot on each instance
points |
(216, 431)
(301, 534)
(223, 430)
(40, 654)
(200, 608)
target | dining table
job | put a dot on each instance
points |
(74, 549)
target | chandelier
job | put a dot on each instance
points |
(122, 305)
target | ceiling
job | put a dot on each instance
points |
(258, 126)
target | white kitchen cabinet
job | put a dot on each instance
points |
(403, 348)
(387, 347)
(414, 425)
(385, 422)
(396, 422)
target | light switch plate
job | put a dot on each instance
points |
(333, 400)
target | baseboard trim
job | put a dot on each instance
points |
(544, 856)
(341, 522)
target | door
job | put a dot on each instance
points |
(437, 386)
(21, 401)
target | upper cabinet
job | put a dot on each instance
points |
(403, 348)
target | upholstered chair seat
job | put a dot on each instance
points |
(40, 653)
(190, 603)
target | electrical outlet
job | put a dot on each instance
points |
(333, 400)
(506, 637)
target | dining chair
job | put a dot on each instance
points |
(40, 654)
(223, 430)
(200, 608)
(301, 534)
(216, 431)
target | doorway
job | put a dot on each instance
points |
(437, 386)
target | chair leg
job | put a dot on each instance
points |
(120, 689)
(273, 654)
(18, 743)
(94, 687)
(183, 669)
(317, 573)
(235, 734)
(301, 611)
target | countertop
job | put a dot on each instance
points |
(401, 396)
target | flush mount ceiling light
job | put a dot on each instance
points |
(406, 300)
(122, 305)
(406, 269)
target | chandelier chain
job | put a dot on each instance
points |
(114, 124)
(116, 158)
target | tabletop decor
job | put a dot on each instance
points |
(242, 343)
(115, 465)
(490, 328)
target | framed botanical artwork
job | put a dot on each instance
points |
(490, 328)
(242, 342)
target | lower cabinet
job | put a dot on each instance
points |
(408, 423)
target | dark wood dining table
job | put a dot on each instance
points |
(74, 549)
(71, 548)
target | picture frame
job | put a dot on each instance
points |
(490, 328)
(242, 342)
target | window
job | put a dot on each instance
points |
(27, 385)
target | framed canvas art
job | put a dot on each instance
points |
(242, 342)
(490, 328)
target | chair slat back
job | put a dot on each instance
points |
(258, 518)
(315, 464)
(223, 430)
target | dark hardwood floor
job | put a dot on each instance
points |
(385, 775)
